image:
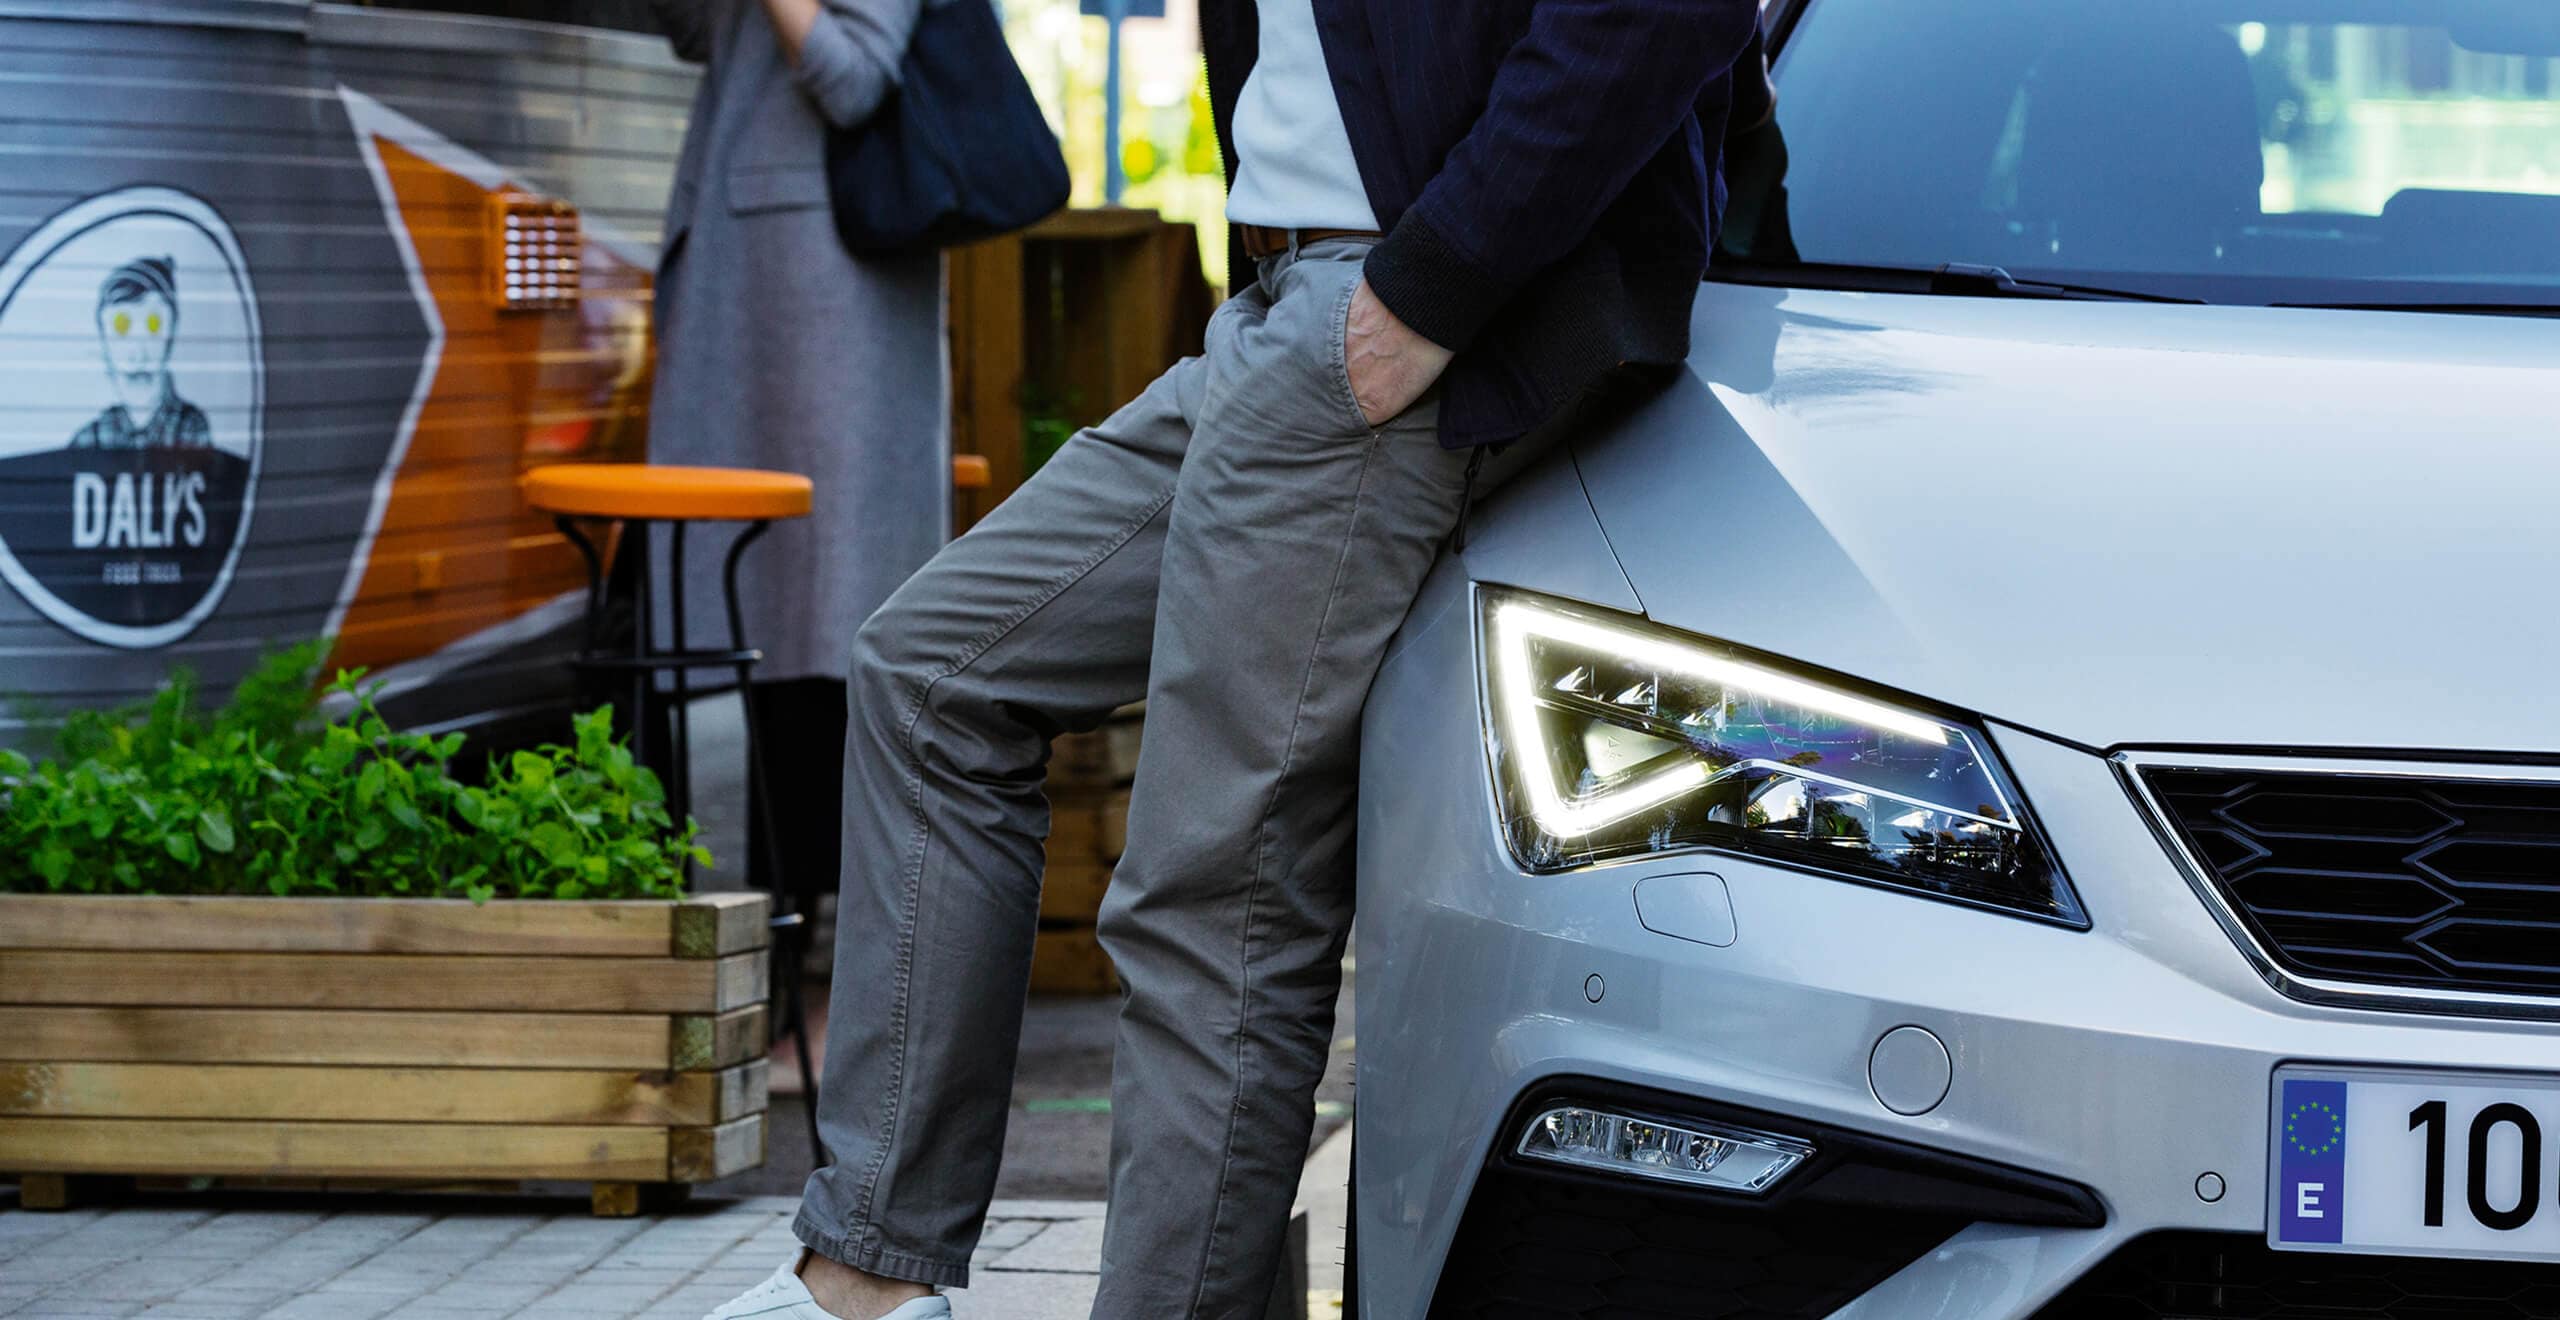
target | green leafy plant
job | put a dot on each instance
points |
(286, 791)
(1047, 424)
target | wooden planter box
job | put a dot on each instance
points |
(382, 1040)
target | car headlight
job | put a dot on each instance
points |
(1613, 738)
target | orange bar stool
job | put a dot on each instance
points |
(638, 497)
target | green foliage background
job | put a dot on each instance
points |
(267, 795)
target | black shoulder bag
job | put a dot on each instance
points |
(958, 151)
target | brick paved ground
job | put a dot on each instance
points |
(444, 1259)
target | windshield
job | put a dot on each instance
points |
(2397, 152)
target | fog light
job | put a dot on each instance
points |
(1693, 1154)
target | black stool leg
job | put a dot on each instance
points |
(595, 577)
(680, 759)
(636, 533)
(599, 604)
(792, 948)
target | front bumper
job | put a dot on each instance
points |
(2130, 1059)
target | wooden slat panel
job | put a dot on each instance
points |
(740, 980)
(1087, 825)
(743, 1090)
(335, 1150)
(343, 1094)
(1102, 758)
(392, 980)
(1072, 892)
(702, 1154)
(714, 925)
(699, 1043)
(373, 925)
(1071, 962)
(476, 1040)
(341, 925)
(984, 281)
(1096, 223)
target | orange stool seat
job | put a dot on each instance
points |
(656, 491)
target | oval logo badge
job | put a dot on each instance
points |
(132, 415)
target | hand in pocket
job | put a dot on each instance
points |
(1389, 364)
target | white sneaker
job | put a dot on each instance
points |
(785, 1297)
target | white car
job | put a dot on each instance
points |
(2025, 782)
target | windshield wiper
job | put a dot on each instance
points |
(2442, 308)
(1955, 279)
(1990, 281)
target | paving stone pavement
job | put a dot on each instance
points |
(241, 1259)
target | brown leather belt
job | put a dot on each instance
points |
(1262, 241)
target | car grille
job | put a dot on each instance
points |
(2213, 1276)
(2438, 883)
(1539, 1248)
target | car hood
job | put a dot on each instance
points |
(2119, 524)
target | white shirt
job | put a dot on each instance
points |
(1294, 168)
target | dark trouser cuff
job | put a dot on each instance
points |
(860, 1248)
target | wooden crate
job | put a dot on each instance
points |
(1068, 960)
(1082, 310)
(1099, 760)
(363, 1041)
(1088, 790)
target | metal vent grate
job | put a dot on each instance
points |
(2437, 883)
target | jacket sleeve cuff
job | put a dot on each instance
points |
(846, 77)
(1441, 293)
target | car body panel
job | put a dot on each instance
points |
(1540, 528)
(2116, 523)
(2129, 1058)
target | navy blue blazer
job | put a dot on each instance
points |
(1547, 173)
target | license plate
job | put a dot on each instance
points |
(2415, 1164)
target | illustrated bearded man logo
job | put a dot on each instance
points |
(137, 319)
(128, 506)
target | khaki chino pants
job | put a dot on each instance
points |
(1237, 546)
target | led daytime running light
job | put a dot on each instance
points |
(1610, 737)
(1517, 622)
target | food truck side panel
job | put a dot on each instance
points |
(262, 376)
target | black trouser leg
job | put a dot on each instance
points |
(799, 738)
(800, 723)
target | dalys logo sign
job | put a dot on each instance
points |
(132, 414)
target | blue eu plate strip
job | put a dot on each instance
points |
(2311, 1169)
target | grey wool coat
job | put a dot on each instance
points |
(777, 349)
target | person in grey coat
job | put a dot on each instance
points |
(777, 349)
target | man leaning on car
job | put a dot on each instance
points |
(1463, 215)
